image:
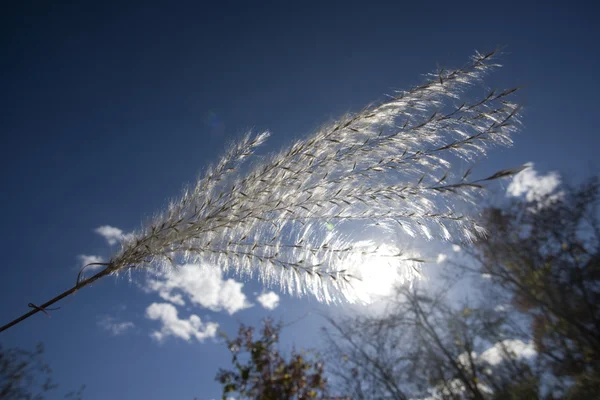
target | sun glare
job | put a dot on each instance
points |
(379, 269)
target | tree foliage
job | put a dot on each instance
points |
(23, 374)
(546, 257)
(422, 346)
(532, 332)
(261, 372)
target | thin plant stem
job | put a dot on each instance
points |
(36, 309)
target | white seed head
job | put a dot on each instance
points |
(298, 218)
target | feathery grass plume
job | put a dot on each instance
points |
(304, 218)
(289, 218)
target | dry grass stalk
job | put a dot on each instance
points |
(388, 165)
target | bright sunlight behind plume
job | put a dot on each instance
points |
(379, 269)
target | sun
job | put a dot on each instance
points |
(380, 268)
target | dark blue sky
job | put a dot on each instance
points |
(108, 109)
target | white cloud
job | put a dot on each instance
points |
(268, 300)
(510, 348)
(441, 258)
(515, 348)
(113, 326)
(449, 390)
(203, 285)
(456, 248)
(463, 358)
(493, 356)
(172, 325)
(501, 307)
(111, 234)
(176, 298)
(535, 187)
(87, 259)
